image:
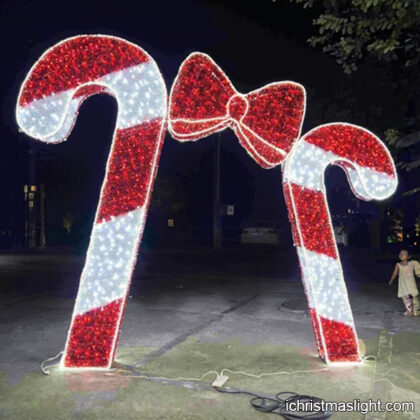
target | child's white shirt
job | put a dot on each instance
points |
(406, 279)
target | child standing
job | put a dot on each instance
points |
(407, 287)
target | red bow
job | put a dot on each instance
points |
(267, 121)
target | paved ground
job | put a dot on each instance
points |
(191, 312)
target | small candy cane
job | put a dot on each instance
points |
(48, 103)
(371, 173)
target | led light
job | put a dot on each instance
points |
(266, 121)
(49, 99)
(371, 173)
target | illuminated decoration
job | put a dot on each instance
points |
(48, 103)
(371, 174)
(266, 121)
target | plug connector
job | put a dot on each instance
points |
(220, 381)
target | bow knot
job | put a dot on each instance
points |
(237, 107)
(266, 121)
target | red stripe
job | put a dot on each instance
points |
(292, 216)
(130, 169)
(317, 331)
(340, 340)
(353, 143)
(77, 61)
(313, 221)
(92, 335)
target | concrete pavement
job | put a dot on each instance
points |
(191, 313)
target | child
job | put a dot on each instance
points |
(407, 288)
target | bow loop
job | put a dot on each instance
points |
(266, 121)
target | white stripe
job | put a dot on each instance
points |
(140, 93)
(109, 261)
(369, 184)
(138, 90)
(48, 116)
(325, 286)
(306, 167)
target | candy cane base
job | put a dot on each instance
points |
(102, 293)
(340, 340)
(97, 326)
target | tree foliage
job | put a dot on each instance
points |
(381, 40)
(349, 30)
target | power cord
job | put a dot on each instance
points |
(261, 375)
(281, 403)
(43, 367)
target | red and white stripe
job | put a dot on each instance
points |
(49, 99)
(372, 175)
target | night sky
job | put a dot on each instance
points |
(255, 44)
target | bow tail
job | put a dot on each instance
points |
(184, 130)
(265, 155)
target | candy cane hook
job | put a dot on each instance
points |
(371, 174)
(47, 108)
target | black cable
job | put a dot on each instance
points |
(279, 404)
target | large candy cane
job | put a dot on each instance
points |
(371, 173)
(48, 103)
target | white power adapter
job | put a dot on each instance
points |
(220, 381)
